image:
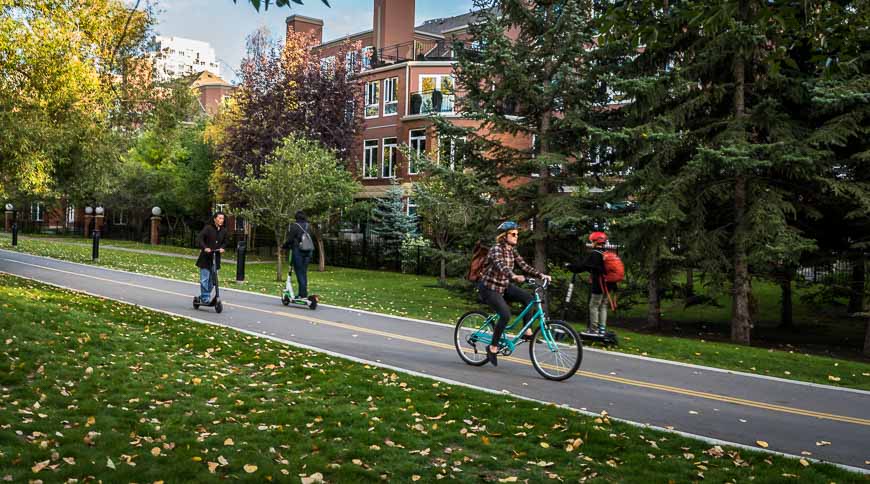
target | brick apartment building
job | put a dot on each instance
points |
(407, 74)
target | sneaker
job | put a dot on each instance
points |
(492, 357)
(602, 331)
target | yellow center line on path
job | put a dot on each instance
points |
(435, 344)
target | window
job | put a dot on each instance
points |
(119, 217)
(412, 206)
(37, 211)
(370, 158)
(388, 161)
(71, 215)
(371, 99)
(327, 65)
(450, 151)
(391, 96)
(220, 207)
(367, 53)
(436, 94)
(417, 142)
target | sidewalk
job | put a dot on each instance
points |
(64, 241)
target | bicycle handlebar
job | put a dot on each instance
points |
(534, 282)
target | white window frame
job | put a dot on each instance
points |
(371, 96)
(372, 150)
(119, 217)
(70, 215)
(391, 96)
(392, 149)
(367, 53)
(414, 144)
(39, 216)
(410, 203)
(438, 78)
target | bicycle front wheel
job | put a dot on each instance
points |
(557, 354)
(472, 334)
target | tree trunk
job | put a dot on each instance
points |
(690, 282)
(741, 319)
(857, 282)
(786, 321)
(867, 339)
(321, 262)
(443, 276)
(280, 261)
(540, 262)
(654, 302)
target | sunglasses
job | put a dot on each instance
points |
(513, 234)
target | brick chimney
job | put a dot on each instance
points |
(300, 23)
(393, 23)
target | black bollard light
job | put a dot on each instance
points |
(240, 260)
(95, 253)
(15, 228)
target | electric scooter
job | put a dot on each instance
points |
(288, 297)
(214, 302)
(591, 334)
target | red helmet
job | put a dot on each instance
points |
(598, 237)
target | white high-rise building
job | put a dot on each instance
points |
(176, 57)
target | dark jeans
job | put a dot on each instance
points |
(301, 258)
(499, 303)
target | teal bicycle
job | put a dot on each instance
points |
(555, 348)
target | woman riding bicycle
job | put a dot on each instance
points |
(495, 284)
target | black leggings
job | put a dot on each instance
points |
(499, 303)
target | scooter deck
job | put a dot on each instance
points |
(608, 338)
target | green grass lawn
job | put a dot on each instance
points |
(91, 389)
(420, 297)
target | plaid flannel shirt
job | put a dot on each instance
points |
(499, 267)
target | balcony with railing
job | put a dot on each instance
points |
(432, 102)
(418, 50)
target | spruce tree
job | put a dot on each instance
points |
(718, 84)
(521, 79)
(391, 223)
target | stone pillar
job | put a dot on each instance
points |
(8, 225)
(155, 230)
(98, 222)
(87, 229)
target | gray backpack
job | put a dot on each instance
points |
(306, 244)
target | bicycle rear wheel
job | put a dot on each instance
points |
(472, 334)
(559, 356)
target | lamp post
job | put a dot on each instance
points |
(8, 226)
(14, 213)
(89, 211)
(155, 225)
(98, 223)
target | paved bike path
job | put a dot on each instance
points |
(792, 417)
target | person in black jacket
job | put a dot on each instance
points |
(301, 257)
(594, 264)
(212, 241)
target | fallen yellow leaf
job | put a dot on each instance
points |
(415, 478)
(250, 468)
(228, 441)
(545, 445)
(155, 451)
(508, 479)
(804, 462)
(212, 466)
(761, 444)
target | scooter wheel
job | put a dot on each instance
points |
(313, 305)
(195, 303)
(285, 300)
(195, 306)
(219, 307)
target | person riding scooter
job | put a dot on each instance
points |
(212, 241)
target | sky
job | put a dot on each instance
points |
(225, 24)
